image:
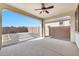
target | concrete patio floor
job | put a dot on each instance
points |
(12, 38)
(42, 47)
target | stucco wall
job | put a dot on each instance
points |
(77, 39)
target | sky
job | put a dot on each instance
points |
(10, 18)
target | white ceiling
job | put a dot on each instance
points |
(58, 8)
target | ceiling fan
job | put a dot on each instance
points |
(44, 9)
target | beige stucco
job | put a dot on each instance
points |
(77, 39)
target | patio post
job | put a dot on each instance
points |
(43, 28)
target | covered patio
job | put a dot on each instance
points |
(50, 42)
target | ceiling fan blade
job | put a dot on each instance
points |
(46, 11)
(43, 5)
(50, 7)
(38, 9)
(40, 12)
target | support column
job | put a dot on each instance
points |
(43, 28)
(72, 26)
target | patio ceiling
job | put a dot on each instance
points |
(59, 8)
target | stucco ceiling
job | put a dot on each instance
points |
(58, 8)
